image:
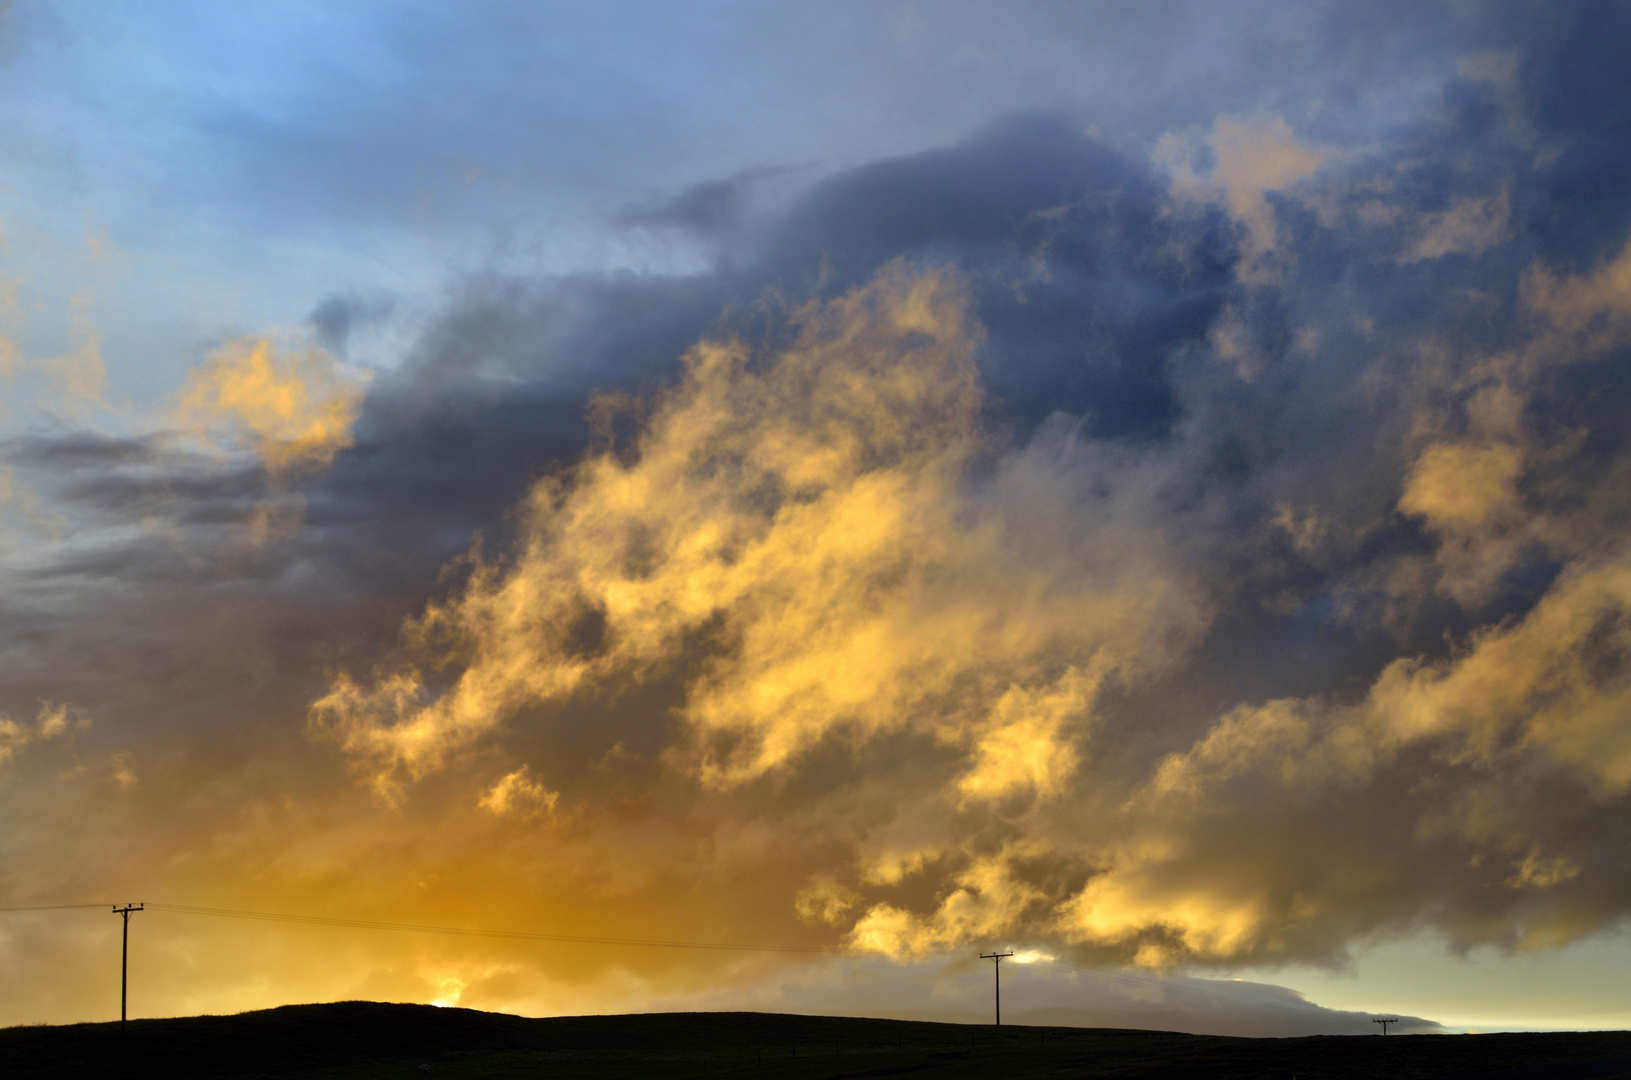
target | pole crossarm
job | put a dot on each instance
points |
(1385, 1021)
(996, 959)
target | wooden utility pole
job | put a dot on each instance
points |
(1385, 1021)
(996, 959)
(124, 960)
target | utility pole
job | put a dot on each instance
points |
(124, 959)
(996, 959)
(1385, 1021)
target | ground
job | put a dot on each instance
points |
(357, 1040)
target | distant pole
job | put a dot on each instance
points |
(124, 960)
(996, 959)
(1385, 1021)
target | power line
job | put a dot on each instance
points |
(466, 931)
(521, 935)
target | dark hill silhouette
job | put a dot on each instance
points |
(359, 1039)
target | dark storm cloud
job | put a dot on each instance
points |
(721, 212)
(1083, 288)
(1042, 221)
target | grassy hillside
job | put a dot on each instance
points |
(357, 1040)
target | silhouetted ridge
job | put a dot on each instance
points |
(369, 1039)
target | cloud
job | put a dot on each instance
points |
(339, 318)
(516, 794)
(1467, 495)
(1250, 159)
(80, 373)
(806, 510)
(1468, 226)
(1479, 746)
(293, 406)
(1576, 302)
(53, 721)
(10, 311)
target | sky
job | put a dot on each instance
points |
(857, 486)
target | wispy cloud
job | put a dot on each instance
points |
(291, 403)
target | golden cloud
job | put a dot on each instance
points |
(1543, 693)
(518, 794)
(1469, 226)
(1467, 494)
(986, 900)
(880, 643)
(1576, 302)
(53, 722)
(292, 403)
(812, 515)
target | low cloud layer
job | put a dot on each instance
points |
(1168, 555)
